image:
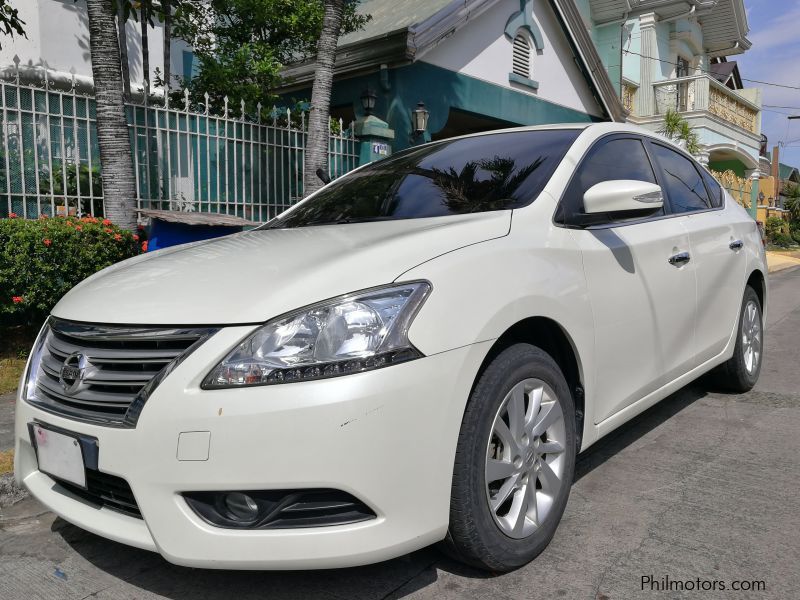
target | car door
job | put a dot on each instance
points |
(643, 305)
(716, 252)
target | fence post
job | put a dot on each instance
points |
(754, 177)
(375, 137)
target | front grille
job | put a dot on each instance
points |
(94, 372)
(106, 490)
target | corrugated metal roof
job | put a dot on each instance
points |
(392, 15)
(785, 171)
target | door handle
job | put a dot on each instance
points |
(736, 245)
(680, 259)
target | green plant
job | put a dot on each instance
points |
(41, 260)
(775, 226)
(782, 240)
(791, 202)
(676, 128)
(794, 231)
(241, 46)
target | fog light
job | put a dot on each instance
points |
(241, 506)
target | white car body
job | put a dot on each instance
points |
(639, 327)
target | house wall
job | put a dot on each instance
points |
(482, 51)
(58, 40)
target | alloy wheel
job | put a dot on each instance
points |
(525, 458)
(751, 337)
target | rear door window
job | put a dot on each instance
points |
(715, 192)
(684, 185)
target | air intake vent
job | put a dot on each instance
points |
(94, 372)
(522, 56)
(106, 490)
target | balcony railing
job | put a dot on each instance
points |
(704, 93)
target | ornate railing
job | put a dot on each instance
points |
(185, 157)
(704, 93)
(629, 97)
(738, 187)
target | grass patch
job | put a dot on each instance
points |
(6, 462)
(10, 372)
(15, 343)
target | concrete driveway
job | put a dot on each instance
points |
(701, 489)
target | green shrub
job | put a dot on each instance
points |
(794, 231)
(42, 260)
(776, 225)
(782, 240)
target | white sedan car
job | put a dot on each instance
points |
(414, 354)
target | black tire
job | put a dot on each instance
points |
(733, 374)
(473, 536)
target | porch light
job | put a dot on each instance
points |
(419, 118)
(368, 98)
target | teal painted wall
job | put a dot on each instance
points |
(440, 90)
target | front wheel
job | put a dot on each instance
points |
(740, 373)
(515, 462)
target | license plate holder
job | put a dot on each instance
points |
(59, 454)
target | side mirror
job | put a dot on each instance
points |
(623, 196)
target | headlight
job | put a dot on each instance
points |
(357, 332)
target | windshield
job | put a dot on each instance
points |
(477, 174)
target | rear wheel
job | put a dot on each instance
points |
(740, 373)
(514, 462)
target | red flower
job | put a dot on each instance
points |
(106, 222)
(117, 237)
(12, 215)
(79, 227)
(42, 216)
(108, 230)
(17, 299)
(48, 242)
(144, 246)
(135, 238)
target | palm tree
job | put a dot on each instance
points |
(145, 22)
(122, 17)
(791, 200)
(166, 9)
(676, 128)
(119, 185)
(316, 152)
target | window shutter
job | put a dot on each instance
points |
(522, 56)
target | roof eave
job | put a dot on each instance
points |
(592, 64)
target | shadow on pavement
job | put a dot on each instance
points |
(391, 579)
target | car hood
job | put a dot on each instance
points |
(253, 276)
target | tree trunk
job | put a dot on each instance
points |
(119, 185)
(165, 4)
(316, 152)
(123, 48)
(144, 15)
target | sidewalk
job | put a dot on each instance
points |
(778, 261)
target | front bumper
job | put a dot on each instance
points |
(387, 437)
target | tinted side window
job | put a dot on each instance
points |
(713, 187)
(622, 158)
(684, 186)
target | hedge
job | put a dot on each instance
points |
(42, 260)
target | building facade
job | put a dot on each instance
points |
(476, 65)
(675, 54)
(57, 42)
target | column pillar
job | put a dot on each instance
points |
(375, 137)
(647, 66)
(754, 177)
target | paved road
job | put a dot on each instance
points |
(704, 485)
